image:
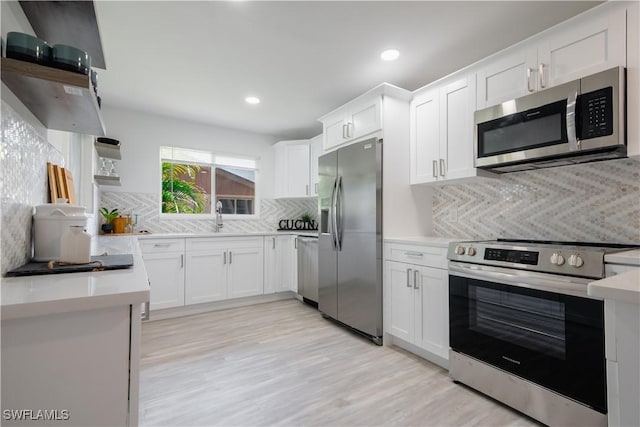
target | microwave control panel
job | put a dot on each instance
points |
(596, 114)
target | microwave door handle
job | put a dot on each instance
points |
(574, 143)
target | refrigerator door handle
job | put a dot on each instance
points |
(339, 212)
(332, 215)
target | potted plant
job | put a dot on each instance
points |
(109, 216)
(308, 221)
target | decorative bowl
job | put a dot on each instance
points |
(26, 47)
(71, 59)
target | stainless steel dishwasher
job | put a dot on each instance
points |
(308, 269)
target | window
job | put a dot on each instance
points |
(188, 177)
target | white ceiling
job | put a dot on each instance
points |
(199, 60)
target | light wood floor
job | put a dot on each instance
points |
(282, 364)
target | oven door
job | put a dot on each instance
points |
(553, 339)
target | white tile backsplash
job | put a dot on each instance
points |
(598, 202)
(147, 207)
(24, 154)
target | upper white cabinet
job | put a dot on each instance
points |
(441, 133)
(584, 45)
(315, 146)
(358, 118)
(292, 160)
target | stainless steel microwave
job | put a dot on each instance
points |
(579, 121)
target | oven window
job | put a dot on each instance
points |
(534, 323)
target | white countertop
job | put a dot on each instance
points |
(31, 296)
(225, 234)
(442, 242)
(623, 287)
(631, 257)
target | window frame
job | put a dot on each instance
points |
(213, 166)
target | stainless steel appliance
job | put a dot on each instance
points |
(308, 269)
(576, 122)
(350, 237)
(523, 329)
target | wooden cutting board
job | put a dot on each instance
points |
(71, 190)
(61, 182)
(53, 183)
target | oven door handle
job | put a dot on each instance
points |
(575, 286)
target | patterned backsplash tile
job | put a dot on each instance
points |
(23, 184)
(147, 205)
(597, 202)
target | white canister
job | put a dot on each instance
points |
(75, 245)
(50, 221)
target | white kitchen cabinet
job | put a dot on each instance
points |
(164, 260)
(280, 264)
(352, 121)
(441, 133)
(315, 146)
(417, 297)
(584, 45)
(292, 160)
(221, 268)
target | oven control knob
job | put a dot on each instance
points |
(557, 259)
(576, 261)
(460, 250)
(471, 251)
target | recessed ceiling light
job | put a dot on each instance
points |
(252, 100)
(390, 55)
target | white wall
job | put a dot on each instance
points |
(141, 135)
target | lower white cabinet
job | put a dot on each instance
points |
(164, 260)
(280, 264)
(222, 268)
(417, 297)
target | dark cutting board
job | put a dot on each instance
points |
(111, 262)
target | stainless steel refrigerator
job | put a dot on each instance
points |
(350, 237)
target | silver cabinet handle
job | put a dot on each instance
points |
(295, 243)
(230, 257)
(181, 260)
(530, 86)
(344, 131)
(162, 245)
(442, 167)
(541, 73)
(416, 278)
(414, 254)
(409, 277)
(147, 311)
(306, 191)
(316, 188)
(349, 130)
(224, 257)
(274, 242)
(435, 168)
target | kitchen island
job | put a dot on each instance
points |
(71, 343)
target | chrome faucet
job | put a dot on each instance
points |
(219, 223)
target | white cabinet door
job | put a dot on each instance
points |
(334, 131)
(574, 51)
(315, 145)
(457, 105)
(206, 276)
(511, 76)
(270, 264)
(286, 265)
(432, 311)
(245, 274)
(425, 136)
(166, 278)
(399, 280)
(366, 117)
(292, 169)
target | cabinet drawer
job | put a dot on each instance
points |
(427, 256)
(151, 246)
(208, 243)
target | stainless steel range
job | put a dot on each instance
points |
(523, 329)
